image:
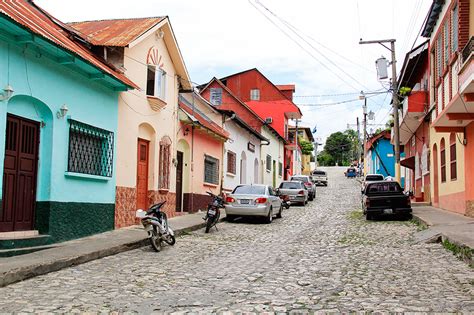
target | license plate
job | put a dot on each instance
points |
(211, 212)
(387, 211)
(244, 201)
(292, 197)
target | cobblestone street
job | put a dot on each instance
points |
(322, 257)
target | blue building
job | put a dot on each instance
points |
(381, 155)
(58, 126)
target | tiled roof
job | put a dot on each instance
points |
(39, 22)
(204, 121)
(117, 32)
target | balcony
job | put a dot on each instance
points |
(466, 71)
(411, 114)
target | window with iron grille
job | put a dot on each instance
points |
(231, 162)
(215, 97)
(280, 168)
(443, 161)
(254, 94)
(164, 168)
(91, 149)
(452, 157)
(454, 28)
(269, 163)
(211, 170)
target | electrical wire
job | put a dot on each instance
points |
(295, 31)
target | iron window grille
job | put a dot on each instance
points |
(231, 162)
(91, 149)
(211, 170)
(164, 167)
(268, 163)
(280, 168)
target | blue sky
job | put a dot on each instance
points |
(219, 37)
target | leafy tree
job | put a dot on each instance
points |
(306, 147)
(339, 145)
(325, 159)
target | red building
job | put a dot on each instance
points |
(272, 103)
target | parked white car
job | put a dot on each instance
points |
(253, 200)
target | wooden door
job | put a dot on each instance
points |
(20, 174)
(142, 174)
(179, 181)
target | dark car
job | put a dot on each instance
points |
(351, 172)
(385, 198)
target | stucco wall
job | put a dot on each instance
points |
(41, 88)
(134, 110)
(275, 150)
(238, 143)
(451, 192)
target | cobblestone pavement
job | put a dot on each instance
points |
(322, 257)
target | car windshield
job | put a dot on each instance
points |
(319, 173)
(249, 190)
(301, 179)
(384, 187)
(290, 185)
(373, 177)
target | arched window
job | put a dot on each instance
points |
(452, 156)
(442, 150)
(164, 170)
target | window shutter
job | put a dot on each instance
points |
(455, 29)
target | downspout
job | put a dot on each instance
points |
(262, 172)
(192, 158)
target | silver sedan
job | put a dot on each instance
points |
(295, 190)
(253, 200)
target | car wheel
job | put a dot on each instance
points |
(311, 197)
(269, 217)
(279, 212)
(230, 218)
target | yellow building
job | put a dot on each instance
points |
(305, 134)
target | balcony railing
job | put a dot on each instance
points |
(467, 50)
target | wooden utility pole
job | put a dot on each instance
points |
(395, 100)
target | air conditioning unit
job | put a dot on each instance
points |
(268, 120)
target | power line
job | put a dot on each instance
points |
(301, 46)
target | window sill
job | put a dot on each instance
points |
(210, 185)
(268, 171)
(87, 176)
(156, 103)
(230, 174)
(163, 190)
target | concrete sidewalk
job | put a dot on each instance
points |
(454, 227)
(18, 268)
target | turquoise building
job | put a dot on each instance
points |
(58, 127)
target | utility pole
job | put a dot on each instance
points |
(395, 100)
(358, 141)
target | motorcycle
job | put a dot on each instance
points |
(213, 211)
(156, 225)
(285, 200)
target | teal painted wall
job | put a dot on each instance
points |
(41, 87)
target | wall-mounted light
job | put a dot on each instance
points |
(62, 111)
(7, 93)
(186, 131)
(175, 162)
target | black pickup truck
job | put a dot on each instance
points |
(385, 197)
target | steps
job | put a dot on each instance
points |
(22, 242)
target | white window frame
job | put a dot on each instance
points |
(255, 95)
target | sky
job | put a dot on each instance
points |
(313, 44)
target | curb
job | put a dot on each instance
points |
(20, 274)
(443, 238)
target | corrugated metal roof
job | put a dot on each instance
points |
(117, 32)
(286, 87)
(30, 16)
(207, 123)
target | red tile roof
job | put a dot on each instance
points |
(39, 22)
(205, 122)
(118, 32)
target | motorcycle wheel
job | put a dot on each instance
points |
(155, 240)
(170, 240)
(209, 224)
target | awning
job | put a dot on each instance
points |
(408, 162)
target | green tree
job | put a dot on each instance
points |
(325, 159)
(339, 146)
(306, 147)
